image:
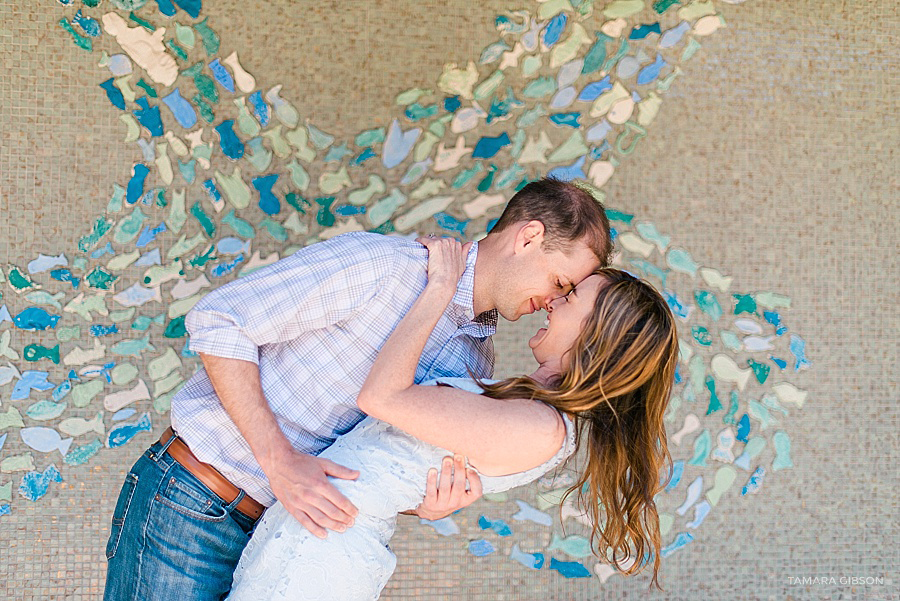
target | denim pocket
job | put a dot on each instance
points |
(191, 499)
(119, 514)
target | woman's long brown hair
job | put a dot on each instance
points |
(616, 383)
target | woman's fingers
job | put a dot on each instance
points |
(459, 481)
(431, 489)
(446, 478)
(475, 489)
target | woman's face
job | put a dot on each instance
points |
(566, 317)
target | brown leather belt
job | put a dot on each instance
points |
(210, 476)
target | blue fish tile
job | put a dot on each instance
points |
(30, 380)
(225, 268)
(775, 319)
(487, 147)
(755, 482)
(166, 7)
(150, 258)
(62, 389)
(363, 156)
(480, 548)
(113, 93)
(677, 473)
(221, 74)
(88, 25)
(651, 72)
(36, 484)
(681, 539)
(743, 429)
(554, 29)
(449, 222)
(123, 414)
(102, 330)
(798, 350)
(444, 526)
(349, 210)
(534, 561)
(181, 109)
(672, 36)
(398, 144)
(598, 151)
(149, 234)
(106, 250)
(527, 513)
(498, 526)
(149, 117)
(678, 308)
(566, 119)
(123, 433)
(570, 569)
(231, 145)
(642, 31)
(268, 202)
(191, 7)
(259, 107)
(569, 172)
(65, 275)
(135, 188)
(34, 319)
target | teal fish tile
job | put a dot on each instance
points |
(679, 260)
(45, 410)
(752, 449)
(83, 453)
(782, 444)
(574, 545)
(702, 447)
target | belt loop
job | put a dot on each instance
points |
(165, 447)
(233, 505)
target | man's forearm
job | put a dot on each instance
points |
(238, 387)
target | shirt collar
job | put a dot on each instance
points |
(481, 325)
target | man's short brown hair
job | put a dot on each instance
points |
(569, 213)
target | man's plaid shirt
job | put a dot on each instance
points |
(314, 322)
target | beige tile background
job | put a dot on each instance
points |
(774, 158)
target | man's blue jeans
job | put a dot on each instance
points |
(172, 538)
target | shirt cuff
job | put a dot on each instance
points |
(226, 344)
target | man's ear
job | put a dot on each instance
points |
(530, 233)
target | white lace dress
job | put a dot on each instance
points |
(284, 561)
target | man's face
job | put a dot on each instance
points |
(535, 277)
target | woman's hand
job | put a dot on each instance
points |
(446, 262)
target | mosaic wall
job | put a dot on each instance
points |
(93, 339)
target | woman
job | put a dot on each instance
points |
(606, 367)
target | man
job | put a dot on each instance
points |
(285, 351)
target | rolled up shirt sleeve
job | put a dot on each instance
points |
(318, 286)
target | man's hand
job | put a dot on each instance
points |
(450, 494)
(301, 483)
